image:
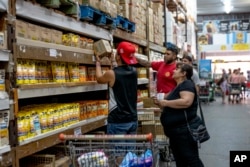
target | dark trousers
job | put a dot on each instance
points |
(184, 149)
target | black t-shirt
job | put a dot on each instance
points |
(171, 117)
(123, 96)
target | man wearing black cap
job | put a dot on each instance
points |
(165, 68)
(122, 81)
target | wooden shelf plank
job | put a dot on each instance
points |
(43, 141)
(129, 37)
(49, 89)
(49, 17)
(157, 48)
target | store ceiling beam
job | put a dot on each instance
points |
(46, 16)
(4, 5)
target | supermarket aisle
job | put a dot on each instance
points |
(229, 127)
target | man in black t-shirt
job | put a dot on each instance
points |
(122, 82)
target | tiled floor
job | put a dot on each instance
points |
(229, 128)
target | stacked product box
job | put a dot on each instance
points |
(158, 23)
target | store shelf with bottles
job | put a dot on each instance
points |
(49, 139)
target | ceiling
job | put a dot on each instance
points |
(207, 7)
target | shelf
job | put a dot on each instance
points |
(57, 131)
(4, 6)
(4, 104)
(49, 89)
(129, 37)
(142, 81)
(43, 141)
(4, 55)
(49, 17)
(4, 149)
(157, 48)
(25, 48)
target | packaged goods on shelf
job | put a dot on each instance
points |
(102, 48)
(102, 107)
(2, 80)
(71, 40)
(82, 73)
(142, 72)
(31, 72)
(73, 72)
(4, 124)
(108, 7)
(21, 29)
(58, 72)
(91, 74)
(3, 39)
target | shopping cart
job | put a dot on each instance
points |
(234, 90)
(112, 150)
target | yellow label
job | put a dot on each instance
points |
(241, 46)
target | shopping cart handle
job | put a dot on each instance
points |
(146, 137)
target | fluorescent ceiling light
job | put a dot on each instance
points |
(228, 8)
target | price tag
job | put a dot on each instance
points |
(78, 131)
(52, 52)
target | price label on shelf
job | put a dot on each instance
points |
(52, 52)
(78, 131)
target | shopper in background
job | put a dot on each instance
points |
(165, 68)
(222, 83)
(186, 59)
(182, 98)
(122, 82)
(243, 81)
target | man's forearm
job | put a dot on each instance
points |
(143, 62)
(98, 69)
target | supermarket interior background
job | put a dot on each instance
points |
(48, 84)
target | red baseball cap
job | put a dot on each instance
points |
(127, 51)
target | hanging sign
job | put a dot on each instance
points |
(224, 26)
(244, 25)
(205, 71)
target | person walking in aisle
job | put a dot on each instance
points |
(243, 81)
(165, 68)
(182, 99)
(186, 59)
(222, 83)
(122, 82)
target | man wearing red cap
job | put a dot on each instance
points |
(122, 82)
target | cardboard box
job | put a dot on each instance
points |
(102, 48)
(56, 36)
(45, 34)
(34, 32)
(21, 29)
(63, 162)
(93, 3)
(149, 103)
